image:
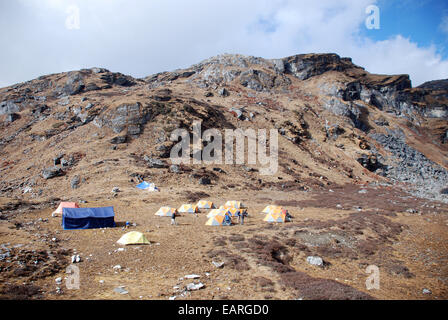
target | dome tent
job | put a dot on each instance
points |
(62, 205)
(133, 237)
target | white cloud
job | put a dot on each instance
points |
(144, 37)
(401, 56)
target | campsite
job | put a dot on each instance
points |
(94, 203)
(231, 262)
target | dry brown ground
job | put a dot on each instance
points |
(261, 261)
(409, 248)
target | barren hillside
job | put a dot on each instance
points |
(362, 168)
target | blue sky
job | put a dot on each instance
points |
(140, 38)
(420, 21)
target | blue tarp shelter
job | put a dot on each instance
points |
(144, 185)
(88, 218)
(147, 186)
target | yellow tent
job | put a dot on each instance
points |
(166, 212)
(62, 205)
(215, 221)
(271, 209)
(216, 212)
(188, 208)
(234, 204)
(233, 211)
(275, 217)
(280, 210)
(203, 204)
(133, 237)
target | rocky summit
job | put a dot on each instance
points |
(362, 168)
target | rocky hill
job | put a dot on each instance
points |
(92, 129)
(362, 168)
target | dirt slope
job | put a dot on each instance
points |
(75, 136)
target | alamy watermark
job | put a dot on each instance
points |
(72, 281)
(73, 20)
(208, 147)
(373, 281)
(373, 18)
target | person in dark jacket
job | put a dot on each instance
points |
(173, 218)
(242, 215)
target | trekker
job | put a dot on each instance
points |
(173, 218)
(227, 220)
(243, 215)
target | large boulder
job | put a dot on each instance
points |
(256, 80)
(11, 117)
(155, 163)
(118, 79)
(74, 183)
(8, 107)
(305, 66)
(130, 117)
(118, 140)
(353, 112)
(52, 172)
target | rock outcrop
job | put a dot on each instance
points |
(316, 102)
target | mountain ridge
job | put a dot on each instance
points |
(362, 169)
(346, 98)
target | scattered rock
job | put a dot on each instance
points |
(174, 168)
(238, 113)
(155, 163)
(315, 261)
(223, 92)
(11, 117)
(52, 172)
(8, 107)
(74, 183)
(218, 264)
(194, 286)
(370, 162)
(115, 190)
(64, 101)
(119, 140)
(117, 79)
(204, 181)
(381, 121)
(121, 290)
(76, 258)
(57, 159)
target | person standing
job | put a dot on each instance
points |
(173, 218)
(227, 219)
(242, 216)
